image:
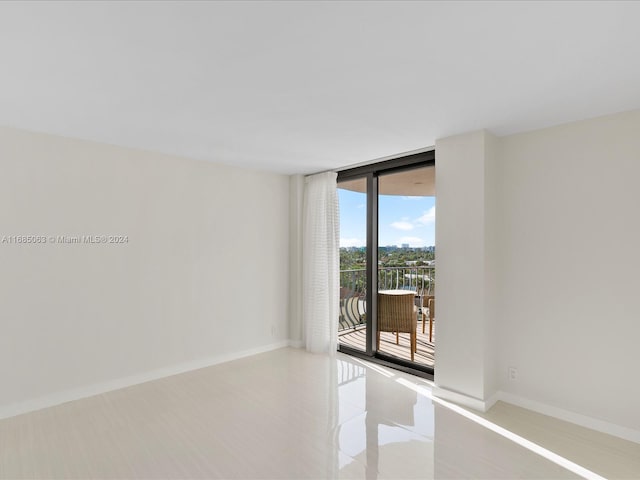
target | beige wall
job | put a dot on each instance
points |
(570, 243)
(203, 277)
(560, 222)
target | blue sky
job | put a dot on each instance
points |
(402, 220)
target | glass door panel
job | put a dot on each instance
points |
(352, 322)
(406, 264)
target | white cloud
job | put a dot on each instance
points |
(410, 197)
(351, 242)
(412, 241)
(428, 217)
(402, 225)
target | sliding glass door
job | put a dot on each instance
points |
(387, 262)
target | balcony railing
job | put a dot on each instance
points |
(353, 308)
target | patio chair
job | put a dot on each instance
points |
(424, 313)
(350, 312)
(432, 316)
(397, 314)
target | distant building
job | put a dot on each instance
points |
(405, 245)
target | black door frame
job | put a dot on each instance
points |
(371, 173)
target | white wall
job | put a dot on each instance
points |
(296, 191)
(558, 215)
(570, 284)
(466, 277)
(204, 275)
(492, 263)
(459, 289)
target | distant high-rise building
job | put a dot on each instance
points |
(405, 245)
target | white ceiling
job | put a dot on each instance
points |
(298, 87)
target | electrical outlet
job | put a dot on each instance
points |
(512, 374)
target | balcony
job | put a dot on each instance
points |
(353, 310)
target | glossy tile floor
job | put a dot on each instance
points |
(291, 414)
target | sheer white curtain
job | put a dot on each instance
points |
(320, 264)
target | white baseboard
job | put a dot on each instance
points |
(296, 343)
(572, 417)
(65, 396)
(464, 400)
(551, 411)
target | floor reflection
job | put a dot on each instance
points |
(391, 427)
(392, 435)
